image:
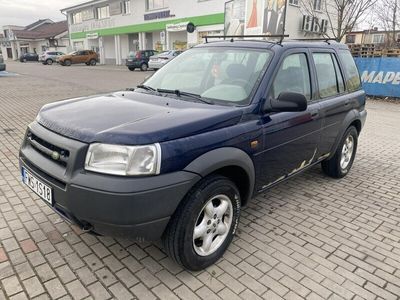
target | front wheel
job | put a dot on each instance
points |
(92, 62)
(340, 164)
(131, 69)
(49, 61)
(204, 224)
(67, 63)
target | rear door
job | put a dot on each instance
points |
(332, 96)
(290, 139)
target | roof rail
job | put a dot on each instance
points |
(232, 37)
(326, 40)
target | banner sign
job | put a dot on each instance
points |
(380, 76)
(259, 17)
(234, 17)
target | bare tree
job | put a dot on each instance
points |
(388, 17)
(342, 15)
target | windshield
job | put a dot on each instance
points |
(72, 53)
(221, 74)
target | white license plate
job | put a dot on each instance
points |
(40, 188)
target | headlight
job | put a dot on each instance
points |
(124, 160)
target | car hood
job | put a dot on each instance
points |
(133, 118)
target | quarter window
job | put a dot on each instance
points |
(293, 76)
(353, 81)
(328, 82)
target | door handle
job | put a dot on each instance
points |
(314, 114)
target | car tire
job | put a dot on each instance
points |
(144, 67)
(24, 60)
(340, 164)
(131, 69)
(67, 63)
(92, 62)
(49, 61)
(213, 205)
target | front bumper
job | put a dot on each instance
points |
(131, 207)
(156, 65)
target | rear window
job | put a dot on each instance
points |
(353, 81)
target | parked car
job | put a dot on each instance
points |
(178, 157)
(139, 59)
(159, 60)
(2, 63)
(50, 57)
(87, 57)
(29, 57)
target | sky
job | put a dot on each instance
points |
(24, 12)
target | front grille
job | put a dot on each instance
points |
(55, 153)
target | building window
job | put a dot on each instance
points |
(294, 2)
(103, 12)
(77, 18)
(317, 4)
(378, 39)
(87, 14)
(156, 4)
(126, 7)
(350, 39)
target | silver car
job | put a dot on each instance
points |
(159, 60)
(50, 57)
(2, 64)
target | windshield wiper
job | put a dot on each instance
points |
(147, 88)
(187, 94)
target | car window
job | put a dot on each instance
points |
(222, 74)
(293, 76)
(326, 75)
(353, 81)
(339, 74)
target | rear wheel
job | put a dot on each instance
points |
(131, 69)
(144, 67)
(49, 61)
(92, 62)
(67, 62)
(340, 164)
(204, 224)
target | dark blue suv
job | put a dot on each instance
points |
(178, 157)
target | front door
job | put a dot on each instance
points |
(290, 139)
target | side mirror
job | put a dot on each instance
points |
(287, 102)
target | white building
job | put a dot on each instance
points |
(37, 37)
(115, 27)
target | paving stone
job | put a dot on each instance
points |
(55, 288)
(11, 285)
(33, 287)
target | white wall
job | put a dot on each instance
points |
(109, 47)
(124, 46)
(181, 9)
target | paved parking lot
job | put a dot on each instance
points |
(312, 237)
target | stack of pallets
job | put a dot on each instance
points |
(371, 50)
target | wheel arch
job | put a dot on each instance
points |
(230, 162)
(351, 119)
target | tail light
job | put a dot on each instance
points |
(138, 54)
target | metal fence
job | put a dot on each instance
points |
(380, 76)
